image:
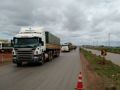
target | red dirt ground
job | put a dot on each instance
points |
(91, 80)
(5, 57)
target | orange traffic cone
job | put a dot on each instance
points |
(79, 85)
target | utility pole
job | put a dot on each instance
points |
(97, 43)
(109, 39)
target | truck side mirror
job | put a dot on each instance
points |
(12, 43)
(42, 43)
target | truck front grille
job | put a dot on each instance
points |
(24, 55)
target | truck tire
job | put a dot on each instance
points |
(50, 56)
(19, 64)
(58, 53)
(42, 61)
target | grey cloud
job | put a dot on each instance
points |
(47, 17)
(66, 18)
(14, 14)
(17, 10)
(75, 18)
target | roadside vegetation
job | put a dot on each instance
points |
(114, 50)
(109, 49)
(104, 68)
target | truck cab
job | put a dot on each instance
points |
(5, 46)
(29, 46)
(65, 48)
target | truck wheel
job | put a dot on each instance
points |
(19, 64)
(42, 59)
(58, 53)
(50, 56)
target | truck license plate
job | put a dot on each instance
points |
(24, 62)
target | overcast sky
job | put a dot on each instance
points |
(77, 21)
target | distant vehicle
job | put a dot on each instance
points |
(5, 47)
(74, 47)
(34, 45)
(65, 48)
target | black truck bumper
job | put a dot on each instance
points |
(34, 59)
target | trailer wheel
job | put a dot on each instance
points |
(50, 55)
(58, 53)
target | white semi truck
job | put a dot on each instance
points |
(65, 48)
(5, 46)
(34, 45)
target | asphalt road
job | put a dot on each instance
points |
(115, 58)
(59, 74)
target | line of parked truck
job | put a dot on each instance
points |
(5, 46)
(67, 47)
(35, 45)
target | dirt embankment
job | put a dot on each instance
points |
(91, 80)
(5, 57)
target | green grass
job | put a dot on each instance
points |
(109, 49)
(114, 50)
(108, 69)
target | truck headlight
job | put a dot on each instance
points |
(36, 53)
(13, 52)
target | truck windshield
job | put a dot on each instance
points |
(64, 45)
(26, 42)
